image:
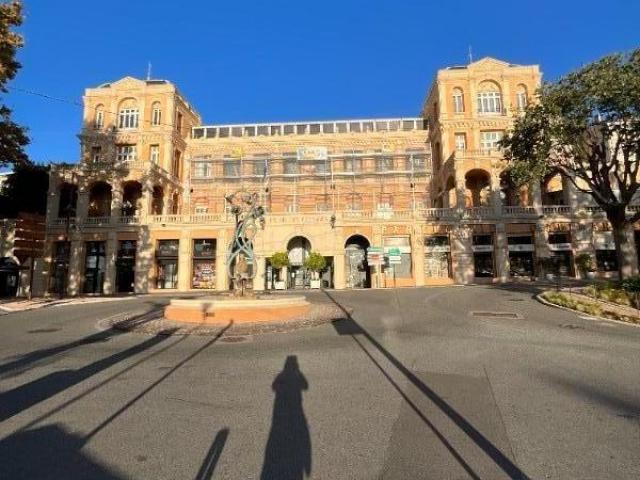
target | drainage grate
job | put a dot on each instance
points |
(234, 339)
(496, 315)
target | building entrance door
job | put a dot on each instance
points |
(357, 271)
(94, 267)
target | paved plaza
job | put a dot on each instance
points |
(479, 382)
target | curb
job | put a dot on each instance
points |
(546, 302)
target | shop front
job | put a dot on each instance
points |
(437, 257)
(125, 266)
(204, 264)
(521, 255)
(397, 254)
(167, 264)
(561, 252)
(483, 255)
(60, 267)
(606, 257)
(94, 267)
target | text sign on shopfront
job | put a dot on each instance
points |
(312, 153)
(521, 248)
(559, 247)
(482, 248)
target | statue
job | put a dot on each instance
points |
(247, 212)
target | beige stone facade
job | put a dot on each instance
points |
(144, 210)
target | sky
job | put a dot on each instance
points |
(261, 61)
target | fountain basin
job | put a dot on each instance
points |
(222, 310)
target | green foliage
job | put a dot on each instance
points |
(631, 284)
(584, 261)
(25, 190)
(586, 126)
(315, 262)
(609, 292)
(13, 137)
(573, 303)
(279, 260)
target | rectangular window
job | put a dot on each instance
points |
(521, 100)
(179, 122)
(231, 168)
(461, 142)
(384, 163)
(201, 169)
(156, 116)
(125, 153)
(175, 166)
(154, 154)
(290, 166)
(260, 167)
(489, 140)
(397, 253)
(353, 162)
(96, 154)
(458, 105)
(417, 158)
(128, 118)
(99, 123)
(199, 210)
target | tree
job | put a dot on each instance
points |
(586, 126)
(25, 190)
(315, 262)
(13, 137)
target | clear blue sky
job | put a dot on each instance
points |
(251, 61)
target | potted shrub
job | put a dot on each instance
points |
(585, 265)
(278, 261)
(315, 263)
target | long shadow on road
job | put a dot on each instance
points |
(348, 326)
(288, 452)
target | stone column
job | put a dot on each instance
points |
(338, 272)
(543, 251)
(222, 282)
(145, 201)
(501, 253)
(116, 202)
(111, 253)
(417, 255)
(184, 261)
(261, 268)
(53, 196)
(496, 199)
(462, 254)
(47, 264)
(460, 188)
(536, 193)
(144, 260)
(74, 280)
(82, 210)
(570, 194)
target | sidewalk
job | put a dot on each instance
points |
(23, 304)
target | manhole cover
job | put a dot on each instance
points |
(234, 339)
(496, 315)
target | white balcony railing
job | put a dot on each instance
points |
(97, 221)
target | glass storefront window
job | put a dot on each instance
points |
(94, 267)
(167, 264)
(401, 245)
(606, 260)
(204, 265)
(483, 265)
(437, 259)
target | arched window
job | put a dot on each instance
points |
(98, 120)
(156, 114)
(489, 98)
(458, 100)
(128, 114)
(521, 97)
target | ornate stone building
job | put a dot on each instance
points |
(399, 201)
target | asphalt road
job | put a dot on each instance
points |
(410, 386)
